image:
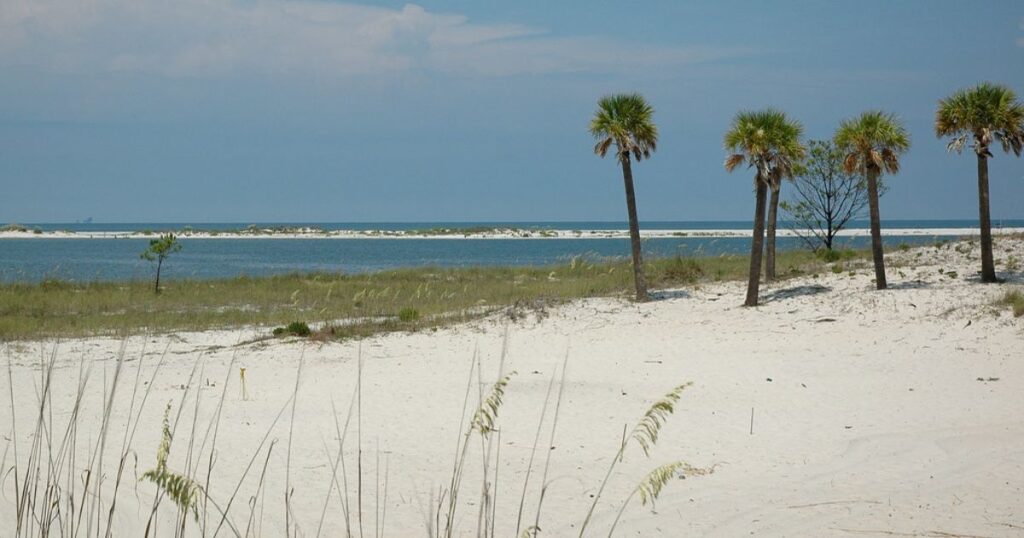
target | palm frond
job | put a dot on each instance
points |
(645, 433)
(874, 139)
(625, 120)
(734, 160)
(890, 162)
(767, 139)
(984, 112)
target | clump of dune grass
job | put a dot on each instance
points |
(645, 434)
(60, 494)
(1015, 300)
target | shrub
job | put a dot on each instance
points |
(834, 255)
(295, 328)
(408, 314)
(1015, 300)
(685, 270)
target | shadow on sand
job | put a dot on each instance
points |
(798, 291)
(911, 285)
(663, 295)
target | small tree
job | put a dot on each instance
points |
(158, 251)
(826, 198)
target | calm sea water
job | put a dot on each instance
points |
(32, 260)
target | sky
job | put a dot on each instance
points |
(326, 111)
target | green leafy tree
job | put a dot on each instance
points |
(826, 197)
(768, 142)
(983, 114)
(159, 250)
(872, 144)
(625, 122)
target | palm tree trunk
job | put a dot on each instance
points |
(634, 231)
(773, 212)
(757, 243)
(876, 230)
(988, 268)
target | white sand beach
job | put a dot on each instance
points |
(875, 413)
(496, 233)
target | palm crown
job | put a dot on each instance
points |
(626, 121)
(987, 112)
(872, 141)
(768, 140)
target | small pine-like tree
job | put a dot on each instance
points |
(159, 250)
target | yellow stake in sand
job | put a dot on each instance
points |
(245, 391)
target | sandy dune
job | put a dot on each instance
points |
(893, 413)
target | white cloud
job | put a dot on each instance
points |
(296, 37)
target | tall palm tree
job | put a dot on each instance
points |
(872, 144)
(770, 143)
(625, 121)
(784, 169)
(985, 113)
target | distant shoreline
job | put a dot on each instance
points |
(470, 233)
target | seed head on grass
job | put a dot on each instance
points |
(181, 489)
(650, 487)
(487, 414)
(645, 433)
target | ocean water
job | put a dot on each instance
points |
(33, 260)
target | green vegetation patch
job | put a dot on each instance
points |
(369, 303)
(1015, 300)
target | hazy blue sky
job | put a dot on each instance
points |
(314, 110)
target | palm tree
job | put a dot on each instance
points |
(770, 143)
(986, 113)
(784, 169)
(872, 143)
(624, 120)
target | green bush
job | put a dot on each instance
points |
(834, 255)
(295, 328)
(408, 314)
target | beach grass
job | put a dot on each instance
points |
(1015, 300)
(344, 305)
(64, 486)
